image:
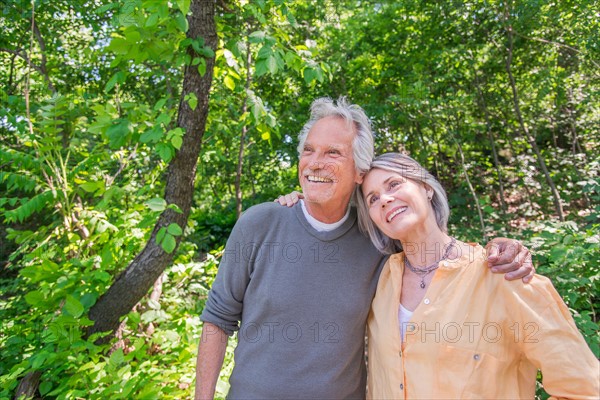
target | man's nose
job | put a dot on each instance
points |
(315, 164)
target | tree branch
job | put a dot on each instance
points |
(38, 68)
(554, 43)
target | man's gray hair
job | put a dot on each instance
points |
(362, 145)
(409, 169)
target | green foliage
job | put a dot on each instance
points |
(83, 157)
(570, 256)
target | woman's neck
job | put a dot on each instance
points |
(424, 250)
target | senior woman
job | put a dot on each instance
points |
(440, 325)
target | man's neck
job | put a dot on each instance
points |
(324, 214)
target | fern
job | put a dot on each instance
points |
(17, 181)
(31, 206)
(18, 160)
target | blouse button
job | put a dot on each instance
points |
(426, 301)
(401, 387)
(476, 357)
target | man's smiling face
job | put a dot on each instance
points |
(326, 169)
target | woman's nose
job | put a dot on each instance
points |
(385, 199)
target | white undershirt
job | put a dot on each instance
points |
(322, 226)
(404, 316)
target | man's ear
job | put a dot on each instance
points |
(360, 176)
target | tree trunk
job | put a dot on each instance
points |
(530, 138)
(134, 283)
(28, 385)
(490, 134)
(240, 163)
(519, 166)
(569, 111)
(470, 186)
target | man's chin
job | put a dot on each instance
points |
(308, 201)
(312, 197)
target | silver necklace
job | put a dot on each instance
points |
(423, 272)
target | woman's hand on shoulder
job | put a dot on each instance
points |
(289, 199)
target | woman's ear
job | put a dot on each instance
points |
(429, 191)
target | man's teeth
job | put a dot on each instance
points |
(312, 178)
(398, 211)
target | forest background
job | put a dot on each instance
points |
(133, 133)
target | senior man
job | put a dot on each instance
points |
(301, 279)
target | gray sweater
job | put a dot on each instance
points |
(302, 297)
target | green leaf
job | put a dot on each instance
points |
(133, 36)
(257, 36)
(29, 207)
(174, 229)
(91, 187)
(165, 152)
(177, 141)
(206, 52)
(184, 6)
(160, 104)
(45, 387)
(156, 204)
(192, 100)
(88, 299)
(175, 208)
(197, 44)
(309, 75)
(229, 83)
(152, 136)
(292, 20)
(292, 60)
(73, 306)
(202, 67)
(134, 317)
(118, 77)
(160, 235)
(105, 8)
(116, 358)
(272, 64)
(118, 134)
(163, 118)
(265, 52)
(119, 45)
(261, 67)
(34, 298)
(168, 244)
(152, 20)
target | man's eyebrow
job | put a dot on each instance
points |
(335, 146)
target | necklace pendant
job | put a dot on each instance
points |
(422, 285)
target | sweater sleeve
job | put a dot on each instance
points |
(226, 297)
(552, 342)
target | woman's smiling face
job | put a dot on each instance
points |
(397, 205)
